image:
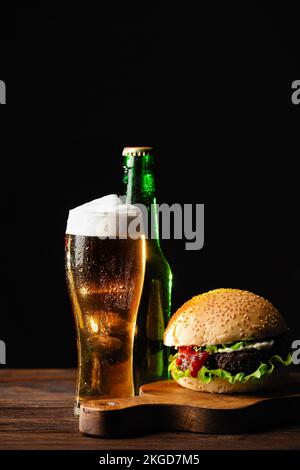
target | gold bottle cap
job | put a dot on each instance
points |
(136, 151)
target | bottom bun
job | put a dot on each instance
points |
(276, 380)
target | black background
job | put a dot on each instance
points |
(209, 88)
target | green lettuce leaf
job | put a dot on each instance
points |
(235, 346)
(238, 345)
(207, 375)
(213, 349)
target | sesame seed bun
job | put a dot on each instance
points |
(223, 316)
(276, 380)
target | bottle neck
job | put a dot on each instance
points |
(140, 188)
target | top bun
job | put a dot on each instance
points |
(223, 316)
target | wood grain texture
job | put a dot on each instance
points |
(166, 406)
(36, 412)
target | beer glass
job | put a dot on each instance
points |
(105, 278)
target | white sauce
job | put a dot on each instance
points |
(258, 345)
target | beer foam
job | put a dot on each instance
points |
(105, 217)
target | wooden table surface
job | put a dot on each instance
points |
(36, 412)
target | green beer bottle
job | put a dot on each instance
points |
(150, 356)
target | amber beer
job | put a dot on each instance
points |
(105, 279)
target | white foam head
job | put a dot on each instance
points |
(105, 217)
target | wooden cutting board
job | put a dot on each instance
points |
(166, 406)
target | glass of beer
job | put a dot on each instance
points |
(105, 261)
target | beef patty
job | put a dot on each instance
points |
(248, 360)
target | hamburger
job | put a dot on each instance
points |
(228, 341)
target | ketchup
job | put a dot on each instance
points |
(188, 358)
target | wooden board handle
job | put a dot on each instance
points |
(165, 406)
